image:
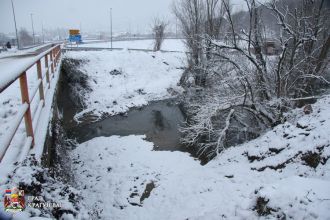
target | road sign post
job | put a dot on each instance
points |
(75, 36)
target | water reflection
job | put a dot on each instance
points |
(159, 121)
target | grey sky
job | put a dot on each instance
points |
(93, 15)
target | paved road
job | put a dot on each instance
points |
(28, 53)
(12, 66)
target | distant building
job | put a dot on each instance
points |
(269, 47)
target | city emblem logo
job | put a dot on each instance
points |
(14, 200)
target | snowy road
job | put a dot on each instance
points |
(25, 52)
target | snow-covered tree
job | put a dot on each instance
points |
(248, 85)
(25, 38)
(191, 15)
(158, 30)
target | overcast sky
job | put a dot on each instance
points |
(90, 15)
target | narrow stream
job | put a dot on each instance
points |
(159, 121)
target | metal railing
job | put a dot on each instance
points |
(50, 59)
(117, 48)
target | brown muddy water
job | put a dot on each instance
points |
(159, 121)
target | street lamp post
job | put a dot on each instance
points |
(34, 40)
(176, 27)
(111, 27)
(42, 29)
(12, 5)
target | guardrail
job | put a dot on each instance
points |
(117, 39)
(117, 48)
(46, 64)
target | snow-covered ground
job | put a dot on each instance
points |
(168, 44)
(283, 174)
(122, 79)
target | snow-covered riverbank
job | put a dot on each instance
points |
(283, 174)
(120, 80)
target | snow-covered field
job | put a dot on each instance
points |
(286, 170)
(122, 79)
(168, 44)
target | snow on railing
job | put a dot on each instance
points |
(51, 59)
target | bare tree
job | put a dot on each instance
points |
(25, 38)
(191, 15)
(214, 14)
(3, 39)
(305, 40)
(158, 29)
(248, 90)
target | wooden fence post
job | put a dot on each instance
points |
(41, 86)
(58, 53)
(47, 71)
(25, 99)
(55, 58)
(52, 62)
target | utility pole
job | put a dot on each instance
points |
(34, 40)
(111, 26)
(12, 5)
(43, 36)
(176, 27)
(130, 30)
(58, 33)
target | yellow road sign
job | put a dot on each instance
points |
(74, 32)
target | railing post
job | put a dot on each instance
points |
(25, 99)
(47, 71)
(55, 60)
(60, 52)
(52, 62)
(56, 55)
(41, 86)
